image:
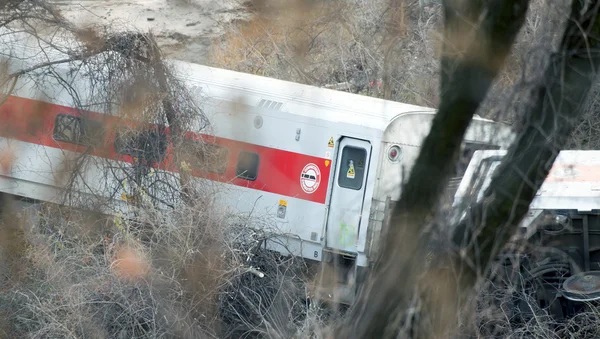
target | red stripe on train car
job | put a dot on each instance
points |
(280, 172)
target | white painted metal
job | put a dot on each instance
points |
(573, 182)
(232, 101)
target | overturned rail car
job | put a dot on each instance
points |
(554, 260)
(322, 166)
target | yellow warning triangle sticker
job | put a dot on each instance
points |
(350, 174)
(330, 143)
(327, 163)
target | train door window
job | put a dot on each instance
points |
(352, 168)
(247, 165)
(205, 156)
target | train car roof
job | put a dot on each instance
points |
(300, 99)
(573, 182)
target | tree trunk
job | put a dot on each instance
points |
(389, 291)
(559, 101)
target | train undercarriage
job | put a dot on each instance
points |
(552, 270)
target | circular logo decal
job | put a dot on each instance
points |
(310, 178)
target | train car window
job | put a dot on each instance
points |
(92, 132)
(78, 130)
(205, 156)
(67, 128)
(150, 145)
(247, 165)
(352, 168)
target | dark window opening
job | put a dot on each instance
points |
(205, 156)
(149, 145)
(309, 176)
(78, 130)
(247, 165)
(352, 168)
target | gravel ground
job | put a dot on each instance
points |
(184, 28)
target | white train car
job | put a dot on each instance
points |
(321, 165)
(571, 185)
(560, 266)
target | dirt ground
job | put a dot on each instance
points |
(184, 28)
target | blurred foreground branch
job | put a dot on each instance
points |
(473, 55)
(558, 103)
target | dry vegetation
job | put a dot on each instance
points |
(198, 271)
(69, 274)
(382, 48)
(339, 44)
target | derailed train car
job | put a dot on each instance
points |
(555, 260)
(320, 165)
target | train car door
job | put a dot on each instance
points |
(347, 196)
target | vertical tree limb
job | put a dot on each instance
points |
(149, 53)
(396, 31)
(477, 61)
(174, 124)
(558, 102)
(460, 21)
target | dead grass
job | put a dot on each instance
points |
(334, 43)
(114, 279)
(287, 42)
(277, 38)
(344, 45)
